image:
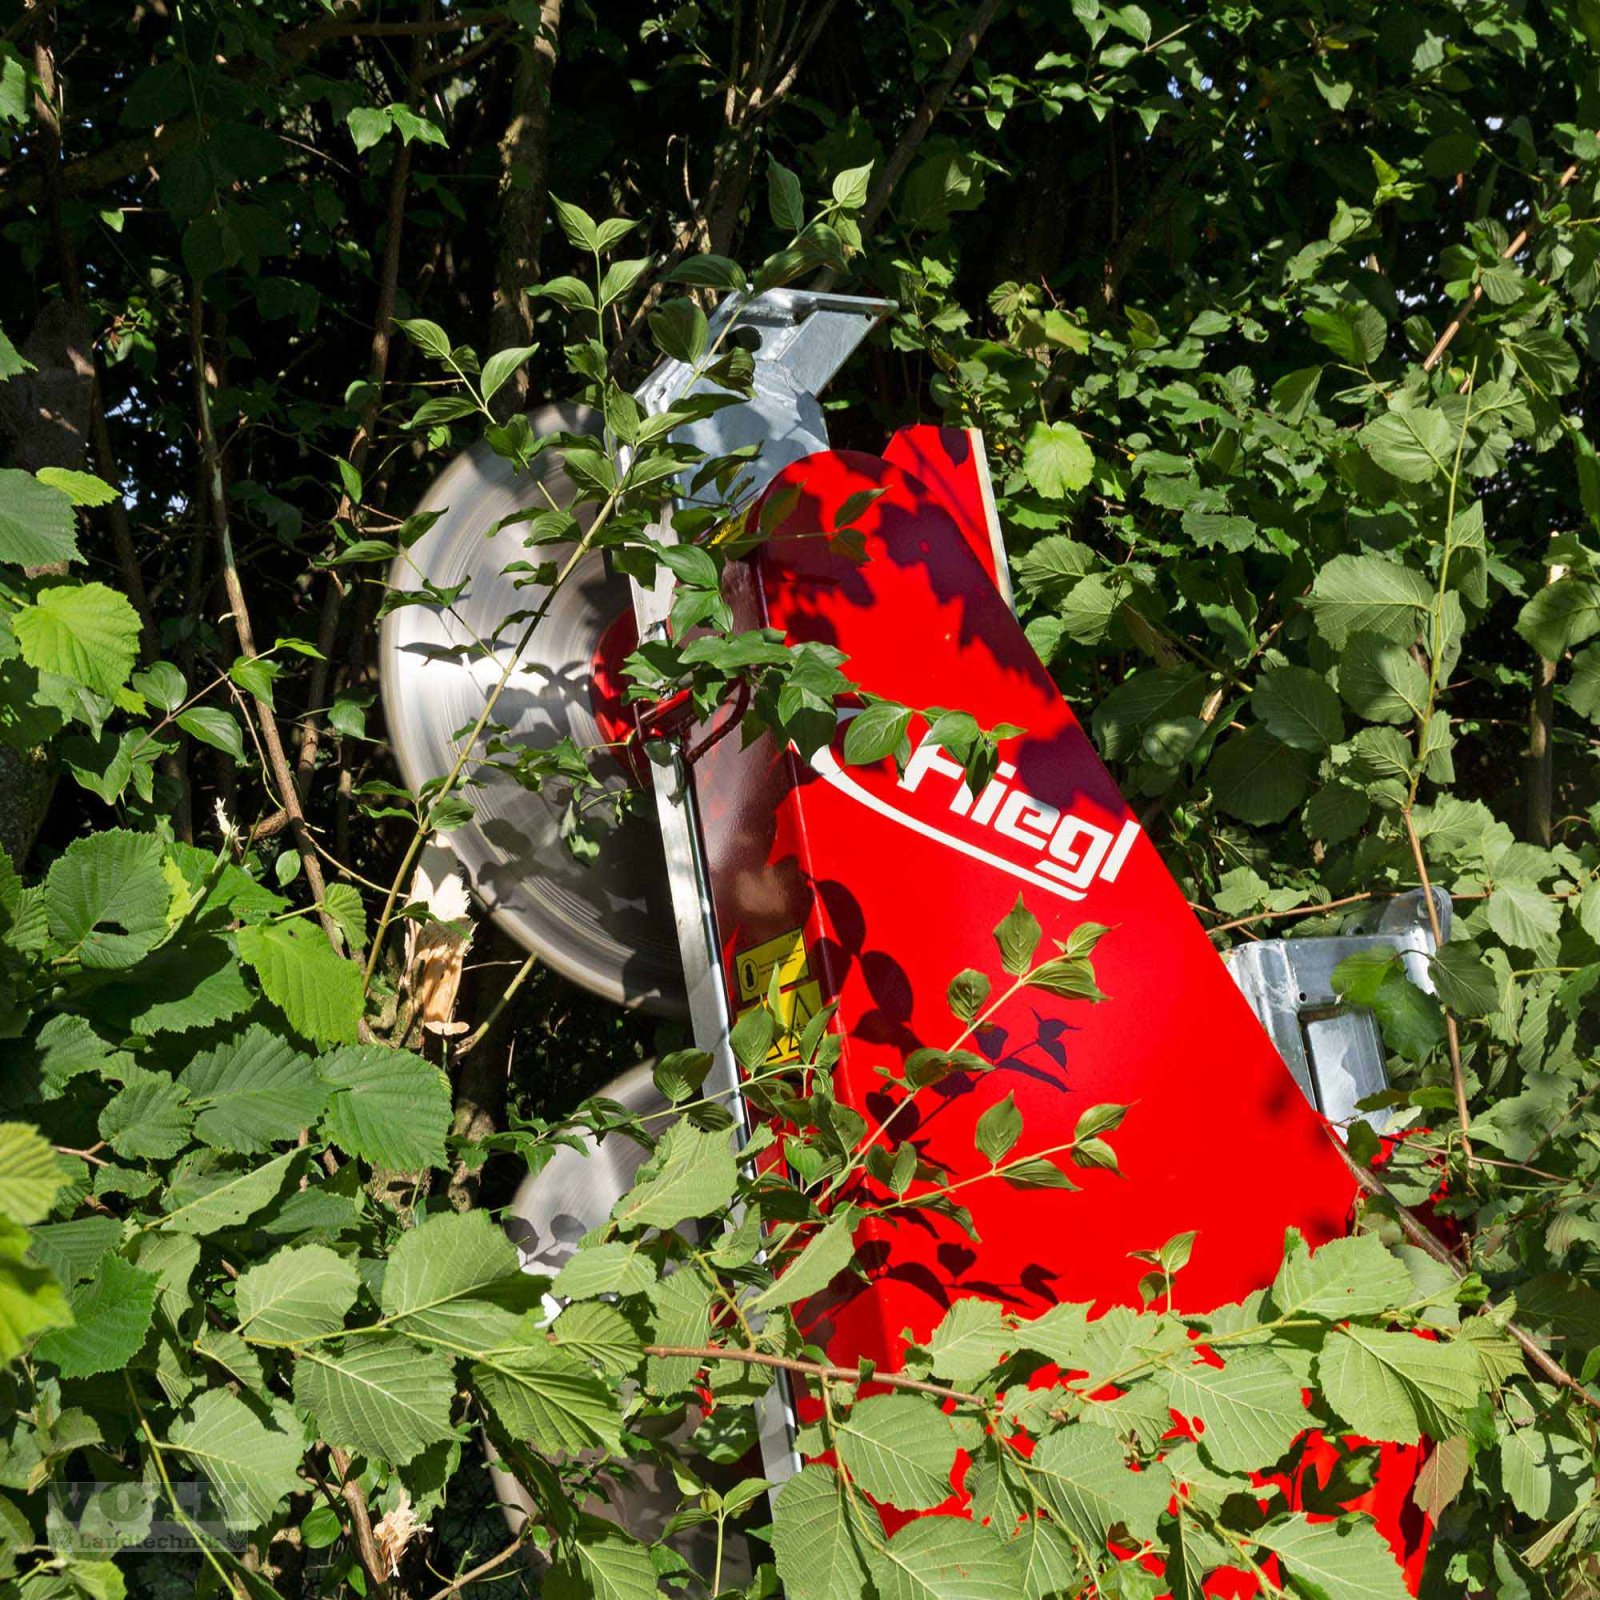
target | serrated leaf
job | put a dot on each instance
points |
(252, 1467)
(1299, 708)
(1250, 1410)
(1397, 1386)
(680, 1315)
(148, 1118)
(1081, 1475)
(37, 525)
(316, 988)
(1352, 1277)
(970, 1341)
(692, 1174)
(596, 1332)
(388, 1107)
(604, 1269)
(205, 1200)
(601, 1562)
(252, 1091)
(900, 1448)
(1561, 615)
(820, 1555)
(1257, 779)
(74, 1250)
(1414, 445)
(542, 1394)
(447, 1277)
(30, 1299)
(945, 1558)
(827, 1254)
(107, 899)
(296, 1294)
(1368, 594)
(1521, 915)
(84, 632)
(110, 1317)
(1056, 459)
(1380, 680)
(1345, 1560)
(29, 1173)
(380, 1396)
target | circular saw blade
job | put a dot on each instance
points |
(605, 923)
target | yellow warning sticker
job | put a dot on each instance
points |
(796, 1007)
(786, 955)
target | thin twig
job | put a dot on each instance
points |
(271, 740)
(456, 1585)
(524, 972)
(812, 1369)
(1293, 911)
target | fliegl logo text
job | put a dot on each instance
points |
(1004, 827)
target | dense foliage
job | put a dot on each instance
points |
(1280, 321)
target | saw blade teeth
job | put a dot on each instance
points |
(605, 923)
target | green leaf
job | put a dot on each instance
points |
(110, 1317)
(680, 1315)
(501, 365)
(601, 1562)
(1056, 459)
(1353, 1277)
(82, 488)
(448, 1277)
(577, 224)
(380, 1396)
(367, 125)
(342, 902)
(1368, 594)
(162, 685)
(298, 1293)
(29, 1173)
(1561, 615)
(1464, 982)
(1380, 680)
(1354, 332)
(305, 977)
(84, 632)
(710, 272)
(37, 525)
(428, 337)
(1397, 1386)
(827, 1254)
(1345, 1560)
(1257, 779)
(252, 1467)
(1521, 915)
(1082, 1477)
(1414, 445)
(785, 198)
(540, 1393)
(680, 1073)
(850, 187)
(945, 1558)
(692, 1174)
(1017, 934)
(900, 1448)
(106, 898)
(596, 1332)
(388, 1107)
(820, 1555)
(252, 1091)
(74, 1250)
(998, 1129)
(215, 727)
(970, 1341)
(680, 331)
(603, 1269)
(30, 1298)
(204, 1200)
(1250, 1410)
(149, 1118)
(1298, 708)
(876, 732)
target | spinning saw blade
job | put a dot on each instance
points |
(606, 923)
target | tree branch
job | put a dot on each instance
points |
(272, 741)
(361, 1518)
